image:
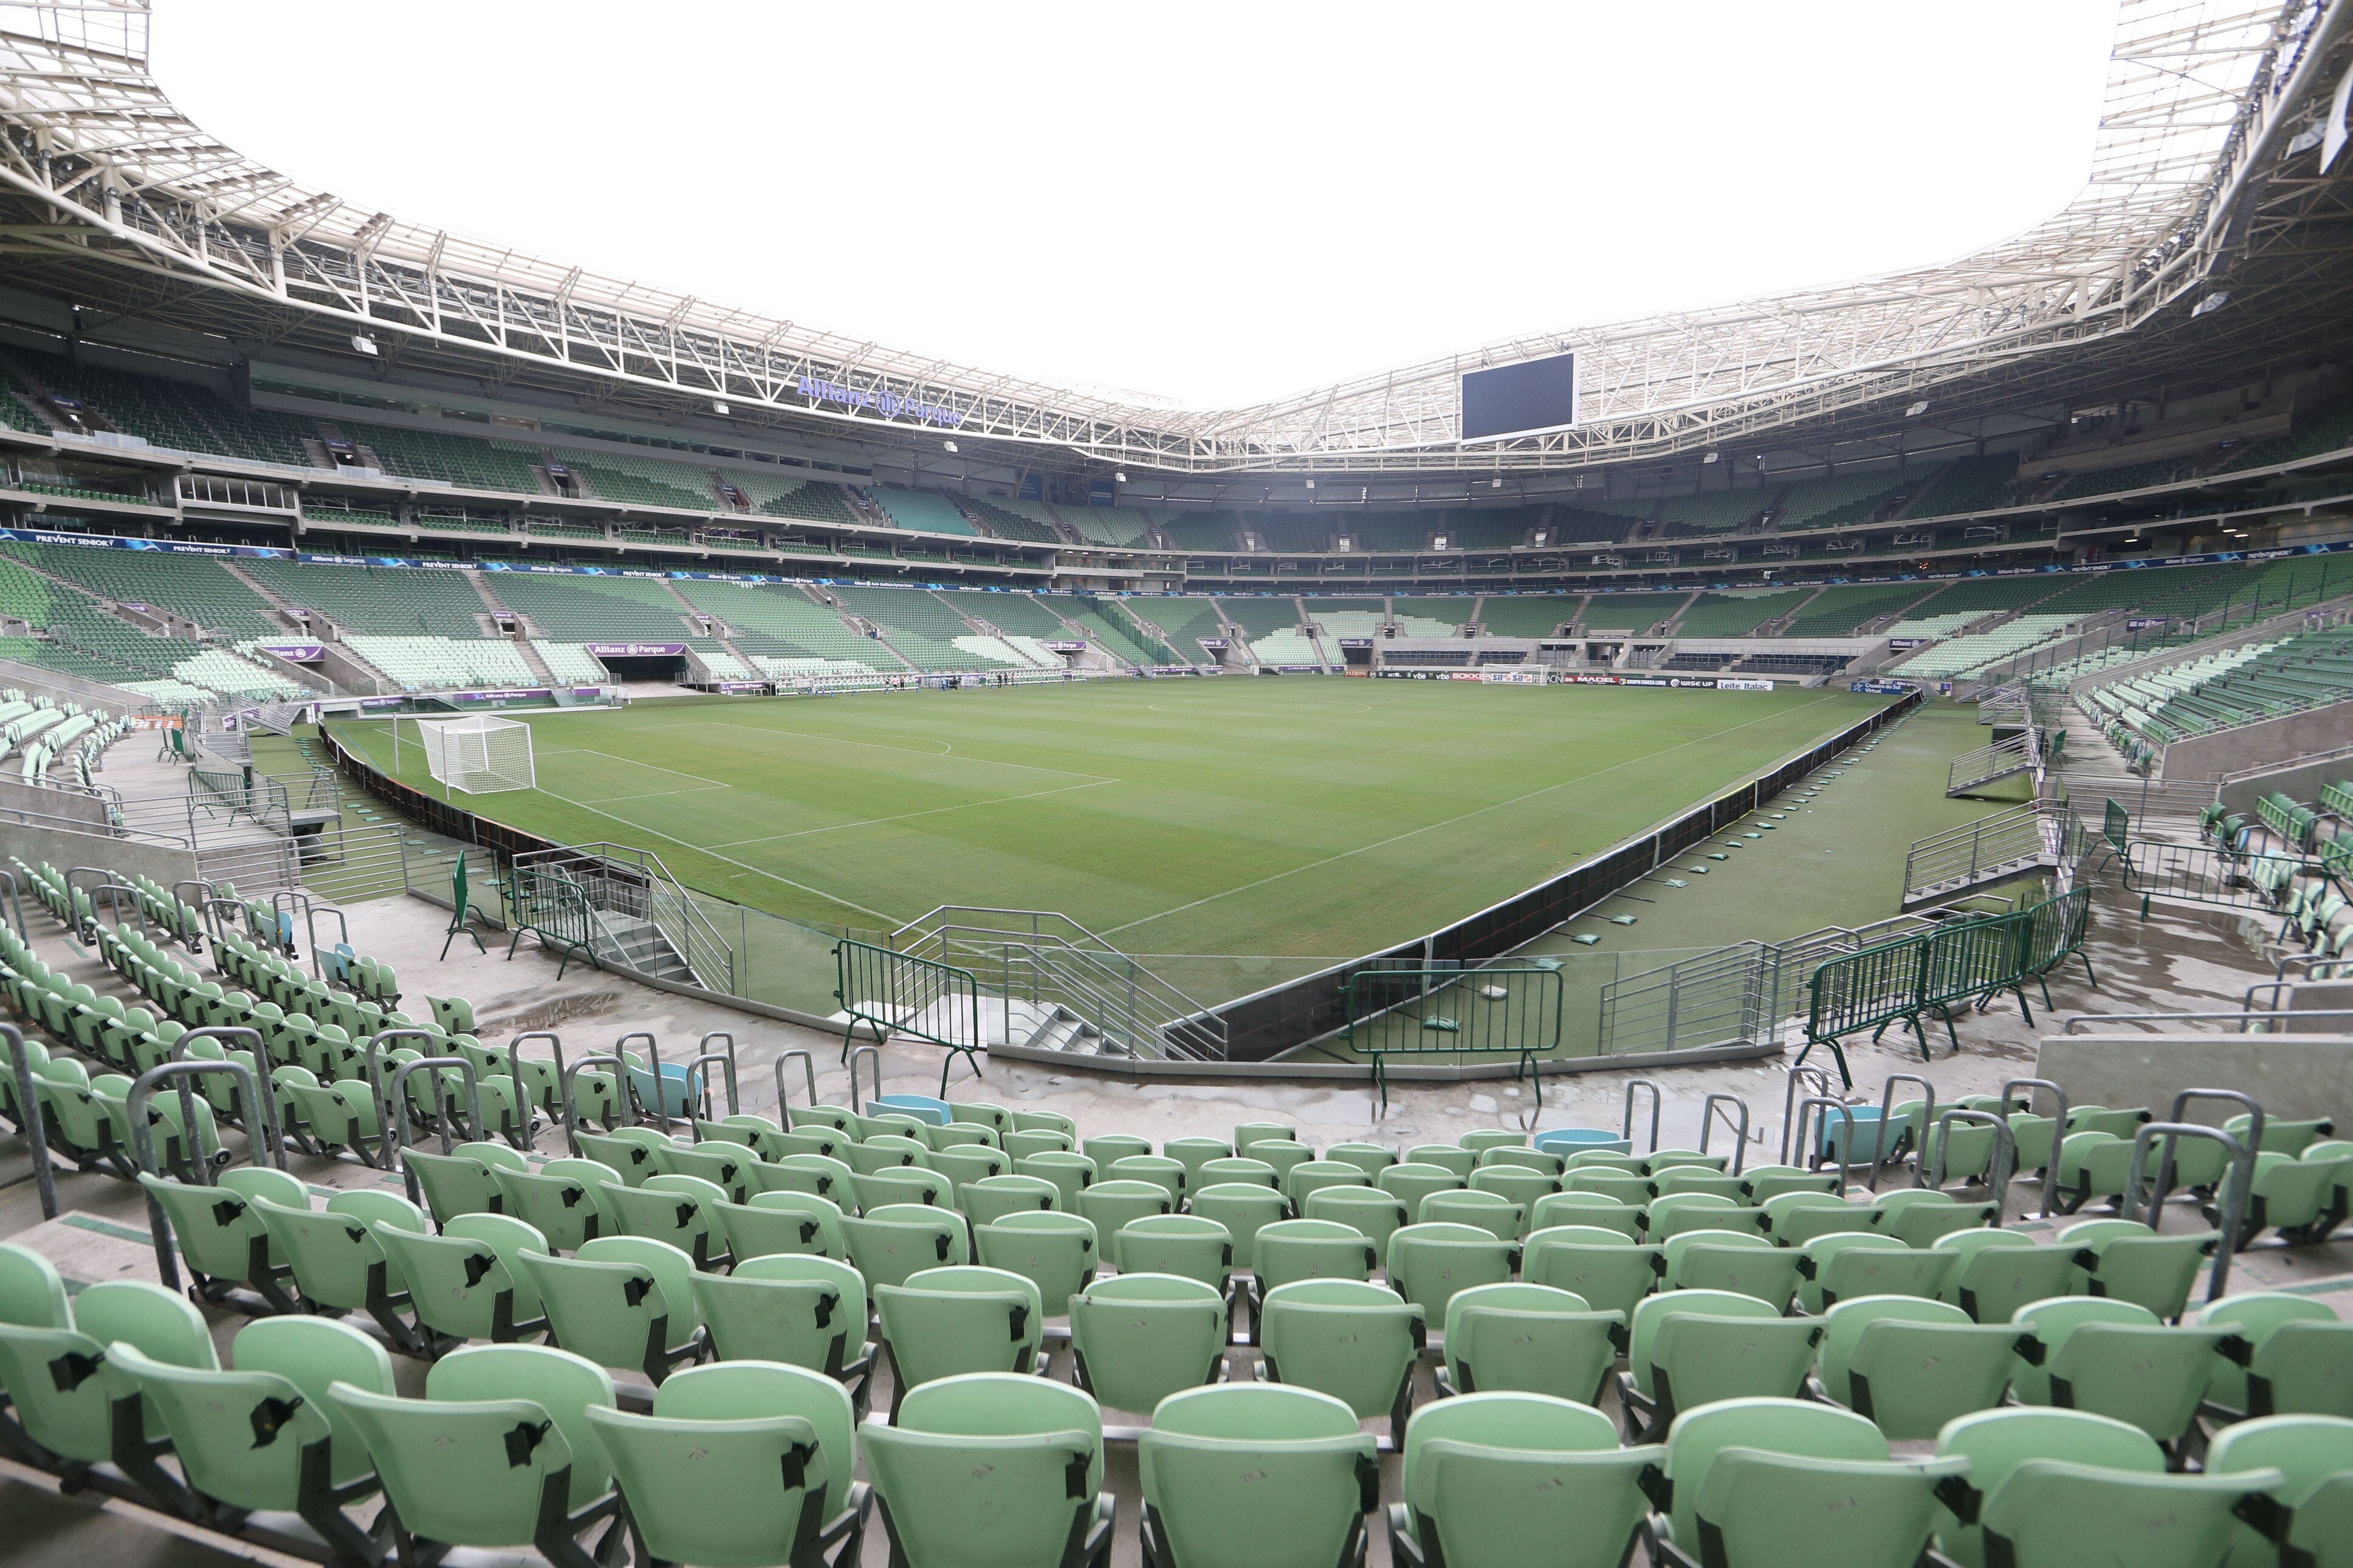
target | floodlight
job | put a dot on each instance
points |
(365, 346)
(2214, 301)
(1118, 477)
(1311, 484)
(949, 445)
(1496, 483)
(717, 406)
(1917, 410)
(1711, 457)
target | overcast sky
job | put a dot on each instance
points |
(1217, 203)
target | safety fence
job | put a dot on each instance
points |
(1959, 961)
(1447, 1011)
(907, 997)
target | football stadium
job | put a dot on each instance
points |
(636, 932)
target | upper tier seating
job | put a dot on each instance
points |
(169, 413)
(789, 494)
(1842, 501)
(1711, 511)
(1836, 611)
(471, 461)
(636, 480)
(1000, 519)
(197, 587)
(1970, 484)
(923, 510)
(1636, 613)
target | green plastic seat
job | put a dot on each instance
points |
(2303, 1200)
(629, 1151)
(1058, 1253)
(2257, 1316)
(217, 1230)
(1249, 1132)
(1676, 1179)
(1753, 1507)
(1698, 1211)
(64, 1400)
(1910, 1365)
(1626, 1186)
(2002, 1271)
(32, 1292)
(900, 1240)
(336, 1260)
(1352, 1340)
(1109, 1146)
(1159, 1169)
(1372, 1213)
(1255, 1476)
(819, 1175)
(992, 1471)
(1490, 1212)
(1244, 1208)
(963, 1165)
(1920, 1224)
(465, 1283)
(498, 1453)
(1237, 1169)
(1730, 1260)
(1429, 1262)
(1370, 1158)
(460, 1182)
(990, 1199)
(886, 1152)
(1195, 1153)
(1021, 1143)
(1528, 1339)
(1292, 1250)
(946, 1323)
(684, 1211)
(775, 1223)
(2048, 1513)
(1996, 1442)
(1070, 1174)
(1136, 1339)
(1689, 1348)
(1479, 1140)
(2309, 1452)
(1554, 1209)
(1604, 1267)
(1446, 1155)
(1516, 1183)
(900, 1184)
(722, 1163)
(778, 1443)
(1762, 1184)
(248, 1437)
(1112, 1204)
(562, 1200)
(1838, 1266)
(1793, 1219)
(1413, 1180)
(2114, 1358)
(1505, 1480)
(794, 1308)
(1313, 1175)
(1785, 1428)
(622, 1301)
(2126, 1260)
(1191, 1246)
(1283, 1155)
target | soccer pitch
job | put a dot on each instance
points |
(1290, 818)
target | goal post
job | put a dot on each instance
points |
(478, 755)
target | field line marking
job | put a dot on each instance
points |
(700, 849)
(928, 811)
(880, 746)
(656, 793)
(1449, 822)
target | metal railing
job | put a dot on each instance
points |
(1720, 998)
(2040, 833)
(919, 998)
(1047, 960)
(2010, 755)
(1414, 1009)
(617, 880)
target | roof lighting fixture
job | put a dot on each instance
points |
(1711, 457)
(1496, 483)
(949, 445)
(717, 406)
(364, 344)
(1917, 410)
(1118, 477)
(2214, 301)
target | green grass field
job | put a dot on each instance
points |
(1294, 819)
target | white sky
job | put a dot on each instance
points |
(1217, 201)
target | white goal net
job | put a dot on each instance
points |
(478, 754)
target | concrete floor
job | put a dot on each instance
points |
(2173, 960)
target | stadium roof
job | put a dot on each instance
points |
(2207, 167)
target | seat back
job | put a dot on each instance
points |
(1139, 1338)
(1318, 1468)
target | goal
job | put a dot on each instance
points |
(478, 754)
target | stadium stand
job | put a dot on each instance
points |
(1526, 614)
(1711, 511)
(2146, 712)
(197, 587)
(1636, 613)
(167, 413)
(1183, 621)
(1105, 525)
(1842, 501)
(435, 662)
(471, 462)
(1116, 632)
(1347, 619)
(1199, 531)
(927, 633)
(2327, 429)
(778, 495)
(923, 510)
(1016, 615)
(391, 599)
(1836, 611)
(1970, 484)
(1737, 614)
(1958, 655)
(594, 609)
(1430, 618)
(1588, 525)
(572, 662)
(640, 481)
(1271, 628)
(1005, 524)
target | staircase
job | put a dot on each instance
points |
(2041, 835)
(2006, 758)
(285, 611)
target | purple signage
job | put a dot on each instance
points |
(296, 652)
(636, 649)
